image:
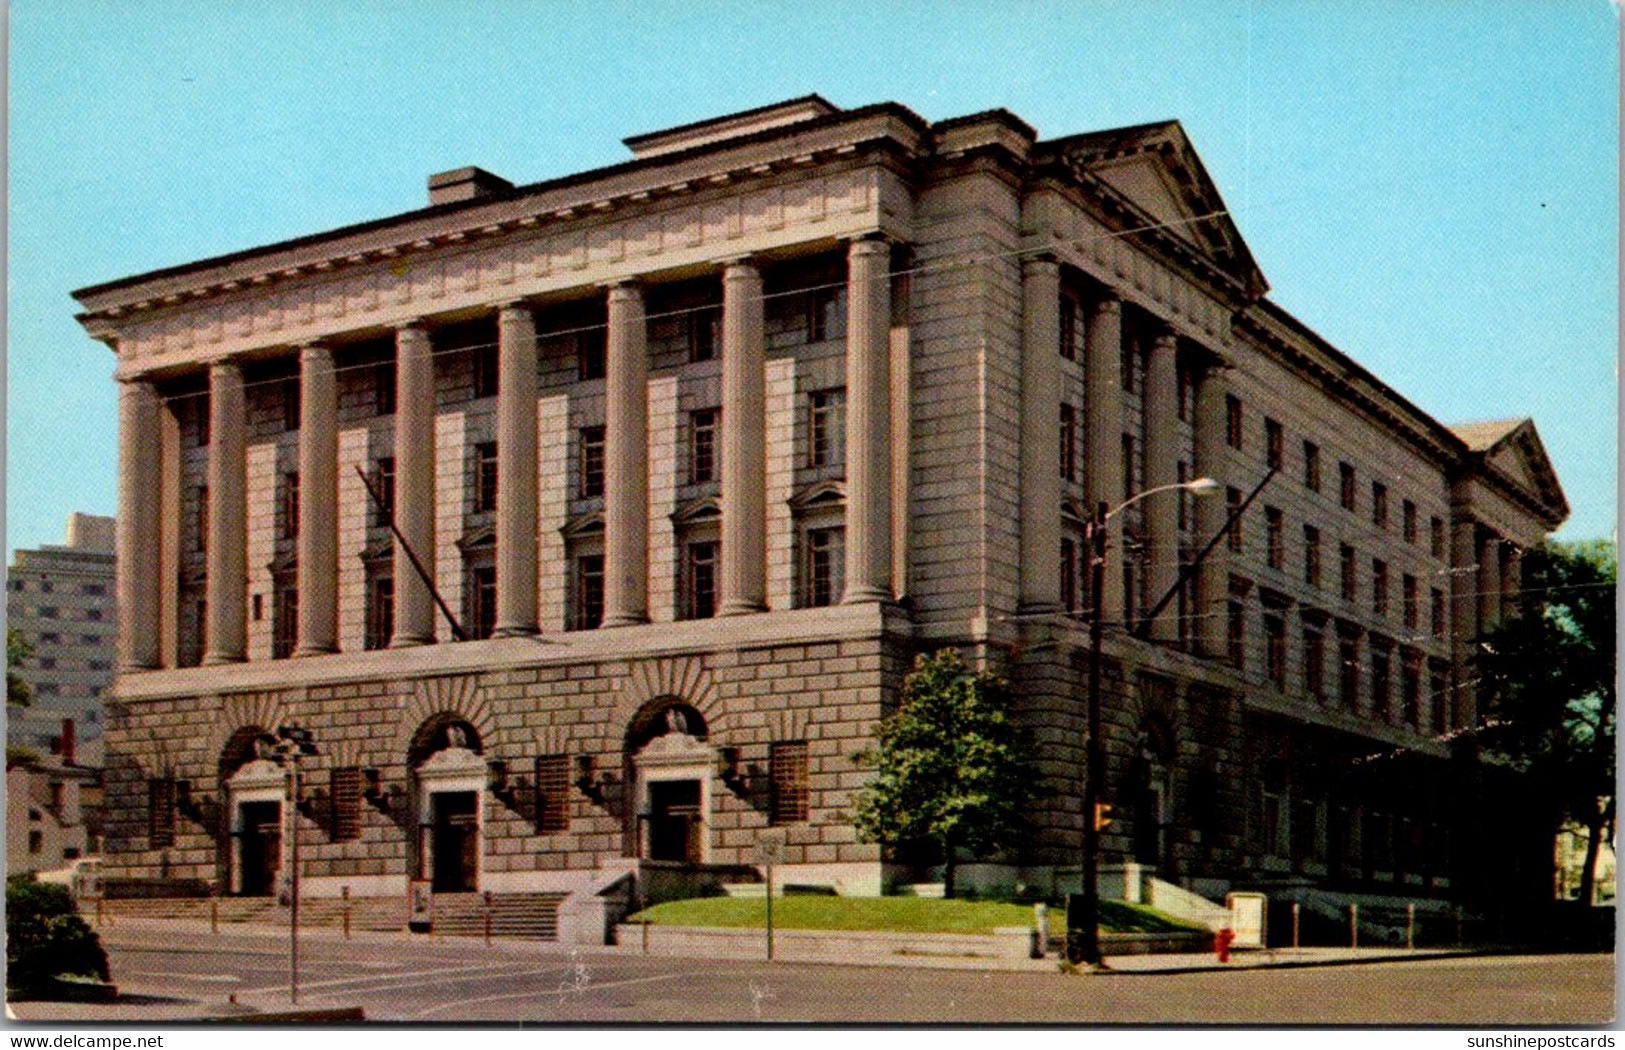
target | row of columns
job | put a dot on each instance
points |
(1040, 469)
(626, 475)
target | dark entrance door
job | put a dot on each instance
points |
(260, 847)
(455, 840)
(674, 820)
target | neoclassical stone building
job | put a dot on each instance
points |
(700, 449)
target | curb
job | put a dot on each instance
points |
(1294, 964)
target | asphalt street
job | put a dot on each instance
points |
(445, 981)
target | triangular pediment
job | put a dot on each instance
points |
(1513, 450)
(1154, 168)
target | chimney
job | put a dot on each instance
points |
(465, 184)
(64, 744)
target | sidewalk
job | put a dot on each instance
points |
(1276, 958)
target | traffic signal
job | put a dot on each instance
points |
(1103, 815)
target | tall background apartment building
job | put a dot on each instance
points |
(702, 449)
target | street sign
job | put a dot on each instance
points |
(770, 848)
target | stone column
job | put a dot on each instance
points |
(1464, 561)
(1162, 468)
(868, 422)
(318, 502)
(744, 441)
(626, 460)
(414, 484)
(1103, 385)
(1212, 585)
(1511, 579)
(137, 531)
(227, 588)
(1041, 391)
(517, 482)
(1489, 581)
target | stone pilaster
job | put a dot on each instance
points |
(318, 503)
(1040, 443)
(1208, 515)
(868, 422)
(1489, 581)
(1464, 562)
(744, 441)
(517, 505)
(1511, 579)
(414, 484)
(137, 531)
(1103, 388)
(227, 588)
(626, 460)
(1162, 468)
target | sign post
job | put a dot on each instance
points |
(770, 851)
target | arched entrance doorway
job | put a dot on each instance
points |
(671, 764)
(255, 794)
(1151, 781)
(450, 775)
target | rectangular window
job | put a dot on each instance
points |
(1407, 514)
(1410, 688)
(1311, 556)
(1275, 535)
(552, 794)
(1379, 587)
(380, 623)
(1274, 444)
(1232, 504)
(1345, 476)
(1128, 361)
(485, 477)
(383, 480)
(1275, 649)
(1348, 659)
(704, 324)
(1234, 424)
(1382, 659)
(290, 403)
(1183, 474)
(1439, 691)
(702, 445)
(288, 510)
(1187, 390)
(590, 471)
(825, 423)
(1410, 600)
(1379, 504)
(701, 572)
(1314, 660)
(823, 565)
(482, 601)
(825, 317)
(1236, 631)
(344, 802)
(590, 348)
(1350, 585)
(383, 388)
(589, 604)
(486, 371)
(1069, 327)
(1129, 462)
(200, 412)
(1069, 443)
(200, 520)
(1436, 613)
(1069, 576)
(1311, 466)
(787, 769)
(285, 618)
(160, 812)
(1436, 537)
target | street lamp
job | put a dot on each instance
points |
(1083, 923)
(286, 748)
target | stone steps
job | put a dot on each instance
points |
(524, 915)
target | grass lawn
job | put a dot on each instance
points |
(894, 914)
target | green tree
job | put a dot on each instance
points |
(1547, 676)
(18, 692)
(950, 765)
(46, 938)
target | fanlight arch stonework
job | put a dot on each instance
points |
(265, 710)
(457, 696)
(683, 678)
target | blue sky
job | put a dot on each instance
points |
(1432, 187)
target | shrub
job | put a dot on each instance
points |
(46, 938)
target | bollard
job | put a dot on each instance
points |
(1410, 925)
(487, 917)
(1294, 924)
(214, 916)
(645, 937)
(345, 893)
(1354, 925)
(1040, 930)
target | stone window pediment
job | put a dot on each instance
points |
(478, 540)
(696, 511)
(831, 493)
(589, 524)
(285, 562)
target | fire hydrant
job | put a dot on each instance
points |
(1222, 939)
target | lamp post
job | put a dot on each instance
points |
(286, 748)
(1083, 923)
